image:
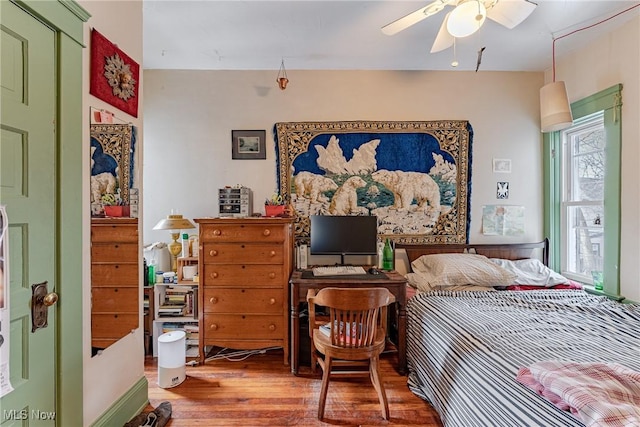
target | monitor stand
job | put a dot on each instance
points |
(342, 259)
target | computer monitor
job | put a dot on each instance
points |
(343, 235)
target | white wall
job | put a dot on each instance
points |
(613, 59)
(111, 374)
(189, 116)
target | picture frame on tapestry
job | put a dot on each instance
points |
(248, 144)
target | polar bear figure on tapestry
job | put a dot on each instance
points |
(313, 185)
(407, 186)
(101, 184)
(345, 199)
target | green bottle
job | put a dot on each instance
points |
(152, 274)
(387, 256)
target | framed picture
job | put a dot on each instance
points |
(248, 144)
(502, 165)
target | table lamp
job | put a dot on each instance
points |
(174, 223)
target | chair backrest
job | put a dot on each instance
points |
(355, 314)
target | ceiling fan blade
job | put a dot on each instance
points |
(510, 13)
(414, 17)
(444, 39)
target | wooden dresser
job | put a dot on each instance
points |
(244, 270)
(115, 305)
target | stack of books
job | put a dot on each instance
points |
(179, 301)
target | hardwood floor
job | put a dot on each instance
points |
(261, 391)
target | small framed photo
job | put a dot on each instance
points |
(248, 144)
(502, 165)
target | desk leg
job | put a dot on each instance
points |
(295, 326)
(402, 339)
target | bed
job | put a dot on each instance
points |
(468, 351)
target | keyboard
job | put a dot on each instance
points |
(338, 270)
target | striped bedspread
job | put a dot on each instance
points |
(464, 350)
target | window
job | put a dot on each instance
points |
(581, 165)
(582, 205)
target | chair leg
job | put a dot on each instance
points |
(326, 366)
(374, 371)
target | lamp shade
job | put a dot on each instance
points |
(466, 18)
(555, 112)
(174, 222)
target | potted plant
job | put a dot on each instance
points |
(275, 206)
(113, 205)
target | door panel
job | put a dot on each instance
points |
(28, 153)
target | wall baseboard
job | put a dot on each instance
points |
(127, 406)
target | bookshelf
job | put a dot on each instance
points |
(176, 308)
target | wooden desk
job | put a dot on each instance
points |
(393, 281)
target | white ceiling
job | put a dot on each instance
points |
(345, 35)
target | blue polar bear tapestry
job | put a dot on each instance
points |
(414, 176)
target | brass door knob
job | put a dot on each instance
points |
(50, 299)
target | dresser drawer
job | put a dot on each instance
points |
(114, 300)
(262, 275)
(114, 233)
(113, 325)
(114, 252)
(244, 233)
(243, 253)
(114, 275)
(245, 301)
(240, 326)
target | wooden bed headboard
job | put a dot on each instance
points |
(511, 251)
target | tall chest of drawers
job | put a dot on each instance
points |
(244, 270)
(115, 304)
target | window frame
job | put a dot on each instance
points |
(567, 186)
(609, 101)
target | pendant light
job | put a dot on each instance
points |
(282, 79)
(555, 111)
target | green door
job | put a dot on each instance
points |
(28, 190)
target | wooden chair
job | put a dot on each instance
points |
(354, 336)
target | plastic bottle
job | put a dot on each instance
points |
(185, 245)
(387, 256)
(380, 253)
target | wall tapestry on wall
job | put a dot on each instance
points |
(414, 176)
(112, 162)
(114, 75)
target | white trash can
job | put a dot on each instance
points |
(171, 359)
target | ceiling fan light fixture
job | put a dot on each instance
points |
(466, 18)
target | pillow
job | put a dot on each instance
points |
(421, 283)
(461, 269)
(531, 272)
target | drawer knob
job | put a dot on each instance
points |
(272, 275)
(217, 232)
(214, 274)
(266, 232)
(272, 253)
(272, 327)
(272, 301)
(213, 300)
(213, 252)
(213, 327)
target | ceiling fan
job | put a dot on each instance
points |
(465, 19)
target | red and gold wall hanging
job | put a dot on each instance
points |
(114, 75)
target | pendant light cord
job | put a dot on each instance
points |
(553, 48)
